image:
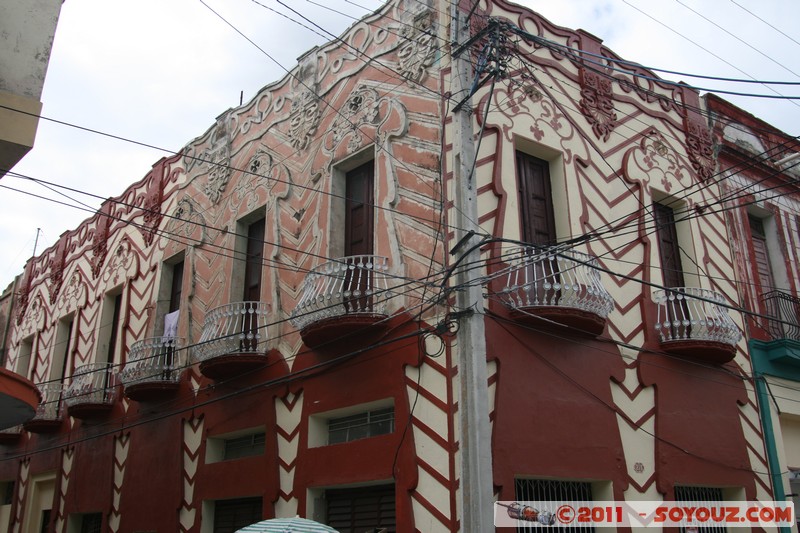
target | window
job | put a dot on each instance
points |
(361, 426)
(696, 495)
(108, 333)
(536, 200)
(254, 260)
(231, 515)
(87, 523)
(553, 490)
(358, 213)
(59, 365)
(668, 246)
(176, 287)
(6, 492)
(246, 446)
(245, 443)
(24, 358)
(359, 509)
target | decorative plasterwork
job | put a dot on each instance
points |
(362, 109)
(100, 239)
(262, 164)
(218, 160)
(73, 296)
(419, 49)
(187, 221)
(122, 265)
(23, 294)
(653, 159)
(304, 119)
(701, 149)
(152, 204)
(56, 267)
(34, 319)
(597, 103)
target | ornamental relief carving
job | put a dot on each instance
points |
(56, 268)
(701, 149)
(74, 295)
(597, 103)
(655, 162)
(304, 119)
(361, 109)
(122, 265)
(217, 160)
(531, 112)
(218, 175)
(418, 51)
(188, 222)
(33, 320)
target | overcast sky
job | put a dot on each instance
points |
(160, 71)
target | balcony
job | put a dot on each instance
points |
(92, 391)
(154, 368)
(545, 287)
(783, 328)
(234, 340)
(785, 310)
(48, 415)
(18, 399)
(343, 298)
(694, 323)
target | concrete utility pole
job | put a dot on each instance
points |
(477, 488)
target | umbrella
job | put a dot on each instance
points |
(287, 525)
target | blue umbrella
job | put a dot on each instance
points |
(287, 525)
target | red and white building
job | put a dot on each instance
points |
(264, 325)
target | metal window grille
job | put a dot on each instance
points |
(359, 509)
(246, 446)
(553, 490)
(361, 426)
(92, 523)
(697, 495)
(230, 515)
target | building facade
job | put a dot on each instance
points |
(759, 170)
(265, 325)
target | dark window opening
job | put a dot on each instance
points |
(359, 200)
(115, 319)
(176, 289)
(67, 344)
(246, 446)
(92, 523)
(230, 515)
(536, 200)
(8, 493)
(254, 260)
(360, 509)
(668, 246)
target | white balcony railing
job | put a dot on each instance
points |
(354, 285)
(544, 277)
(158, 359)
(94, 384)
(235, 328)
(688, 313)
(50, 406)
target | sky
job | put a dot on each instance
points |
(159, 72)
